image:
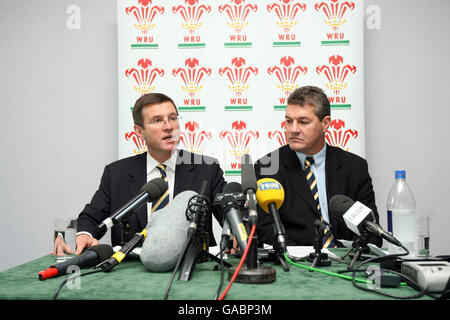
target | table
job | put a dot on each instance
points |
(130, 280)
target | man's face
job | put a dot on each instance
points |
(160, 129)
(305, 132)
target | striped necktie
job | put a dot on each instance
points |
(164, 200)
(327, 240)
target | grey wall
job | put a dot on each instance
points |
(58, 112)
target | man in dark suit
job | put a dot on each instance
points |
(334, 172)
(156, 122)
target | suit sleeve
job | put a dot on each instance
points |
(98, 209)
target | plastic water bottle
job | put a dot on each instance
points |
(401, 215)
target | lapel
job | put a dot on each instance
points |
(333, 172)
(136, 178)
(300, 185)
(184, 172)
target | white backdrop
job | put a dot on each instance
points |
(230, 65)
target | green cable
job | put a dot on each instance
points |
(343, 276)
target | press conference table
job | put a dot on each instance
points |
(130, 280)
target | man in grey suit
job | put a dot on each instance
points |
(334, 172)
(156, 122)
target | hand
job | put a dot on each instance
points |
(60, 247)
(84, 241)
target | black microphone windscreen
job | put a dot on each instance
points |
(248, 177)
(104, 251)
(232, 187)
(155, 188)
(339, 204)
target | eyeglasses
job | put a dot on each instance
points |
(161, 121)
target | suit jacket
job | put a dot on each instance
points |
(346, 174)
(123, 179)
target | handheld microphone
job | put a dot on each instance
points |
(249, 187)
(225, 237)
(117, 257)
(358, 217)
(151, 191)
(232, 214)
(198, 206)
(270, 197)
(90, 258)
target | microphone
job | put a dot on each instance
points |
(198, 206)
(358, 217)
(270, 197)
(151, 191)
(249, 186)
(232, 214)
(164, 242)
(89, 258)
(117, 257)
(225, 237)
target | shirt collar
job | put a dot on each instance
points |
(169, 163)
(319, 157)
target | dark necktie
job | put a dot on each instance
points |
(164, 200)
(327, 240)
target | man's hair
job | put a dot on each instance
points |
(310, 95)
(149, 99)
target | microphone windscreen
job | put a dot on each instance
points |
(155, 188)
(269, 191)
(339, 204)
(103, 251)
(232, 187)
(166, 234)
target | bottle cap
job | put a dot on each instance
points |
(400, 174)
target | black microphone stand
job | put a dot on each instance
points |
(198, 249)
(319, 258)
(360, 245)
(253, 272)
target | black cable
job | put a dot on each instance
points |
(222, 275)
(408, 280)
(71, 278)
(180, 259)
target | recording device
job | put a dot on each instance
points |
(166, 230)
(358, 217)
(151, 191)
(431, 276)
(89, 258)
(270, 197)
(230, 206)
(249, 187)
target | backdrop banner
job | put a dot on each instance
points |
(230, 66)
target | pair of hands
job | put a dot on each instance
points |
(82, 241)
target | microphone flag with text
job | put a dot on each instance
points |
(270, 197)
(91, 257)
(166, 234)
(358, 217)
(150, 192)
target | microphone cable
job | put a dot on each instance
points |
(408, 280)
(55, 295)
(244, 256)
(222, 274)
